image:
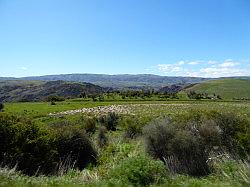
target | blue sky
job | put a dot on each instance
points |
(208, 38)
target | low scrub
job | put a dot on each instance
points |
(74, 148)
(110, 121)
(179, 149)
(102, 139)
(186, 143)
(89, 124)
(36, 150)
(235, 133)
(230, 131)
(132, 126)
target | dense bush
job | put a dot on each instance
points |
(110, 121)
(6, 134)
(102, 138)
(139, 170)
(132, 126)
(230, 131)
(89, 124)
(158, 134)
(210, 134)
(36, 150)
(190, 154)
(74, 148)
(26, 145)
(54, 98)
(186, 142)
(180, 149)
(235, 133)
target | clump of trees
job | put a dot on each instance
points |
(54, 98)
(129, 94)
(195, 95)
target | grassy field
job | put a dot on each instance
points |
(118, 151)
(226, 88)
(149, 108)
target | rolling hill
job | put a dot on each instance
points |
(227, 88)
(120, 81)
(19, 90)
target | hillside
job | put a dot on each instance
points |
(18, 90)
(122, 81)
(227, 88)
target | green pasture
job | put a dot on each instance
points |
(226, 88)
(148, 108)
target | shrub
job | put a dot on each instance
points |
(235, 133)
(54, 98)
(102, 139)
(133, 128)
(75, 148)
(36, 150)
(1, 107)
(25, 144)
(186, 143)
(33, 151)
(158, 134)
(210, 134)
(180, 149)
(110, 121)
(6, 134)
(140, 170)
(190, 153)
(227, 130)
(89, 125)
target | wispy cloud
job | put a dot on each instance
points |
(193, 63)
(24, 68)
(229, 63)
(222, 72)
(176, 67)
(180, 63)
(173, 68)
(209, 68)
(169, 68)
(212, 62)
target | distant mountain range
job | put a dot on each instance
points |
(72, 85)
(122, 81)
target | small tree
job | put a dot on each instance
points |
(1, 107)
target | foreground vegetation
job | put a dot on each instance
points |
(174, 143)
